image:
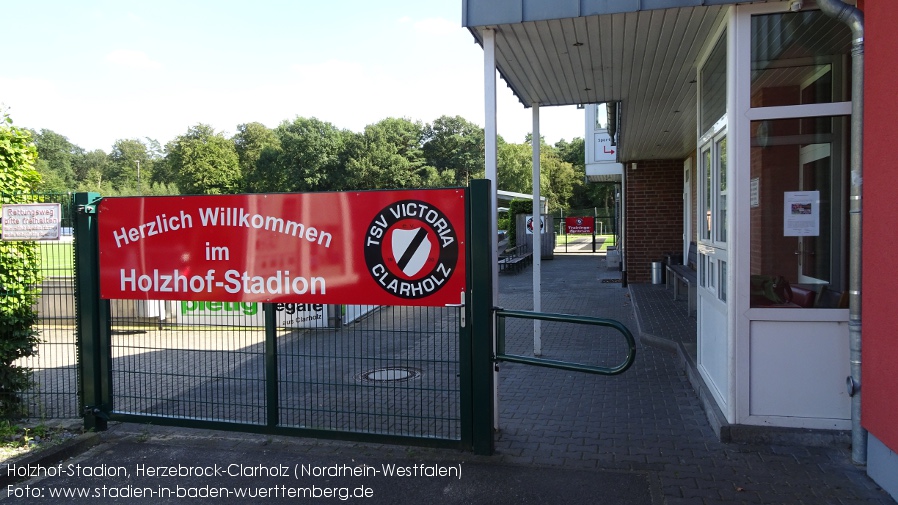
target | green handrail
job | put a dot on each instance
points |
(502, 314)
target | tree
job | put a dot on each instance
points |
(56, 159)
(19, 268)
(309, 158)
(387, 155)
(130, 164)
(204, 162)
(586, 195)
(250, 141)
(453, 143)
(515, 167)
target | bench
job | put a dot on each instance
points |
(515, 258)
(685, 274)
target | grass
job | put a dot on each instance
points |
(57, 258)
(17, 440)
(560, 240)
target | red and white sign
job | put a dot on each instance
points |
(579, 225)
(357, 248)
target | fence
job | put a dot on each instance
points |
(54, 374)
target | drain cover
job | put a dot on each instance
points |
(609, 281)
(390, 374)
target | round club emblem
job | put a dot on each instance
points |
(411, 249)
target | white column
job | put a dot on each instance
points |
(537, 236)
(490, 160)
(490, 150)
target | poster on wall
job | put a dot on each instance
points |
(801, 214)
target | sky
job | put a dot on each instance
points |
(99, 71)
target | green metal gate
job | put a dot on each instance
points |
(398, 374)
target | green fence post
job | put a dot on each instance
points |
(480, 315)
(271, 365)
(92, 316)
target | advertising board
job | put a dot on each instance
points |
(579, 225)
(359, 248)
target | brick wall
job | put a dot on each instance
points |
(654, 214)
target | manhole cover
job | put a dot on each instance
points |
(390, 374)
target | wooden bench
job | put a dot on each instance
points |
(685, 274)
(515, 258)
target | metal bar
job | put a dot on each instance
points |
(479, 305)
(89, 319)
(271, 365)
(502, 314)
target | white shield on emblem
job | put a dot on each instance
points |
(410, 250)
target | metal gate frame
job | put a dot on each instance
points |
(97, 389)
(477, 356)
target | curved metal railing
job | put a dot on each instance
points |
(501, 355)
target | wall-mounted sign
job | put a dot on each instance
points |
(529, 224)
(801, 214)
(31, 221)
(603, 150)
(360, 248)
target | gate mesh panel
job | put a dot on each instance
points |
(328, 378)
(54, 369)
(394, 372)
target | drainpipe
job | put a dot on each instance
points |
(854, 18)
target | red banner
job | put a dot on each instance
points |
(579, 225)
(354, 248)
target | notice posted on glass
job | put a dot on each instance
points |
(301, 481)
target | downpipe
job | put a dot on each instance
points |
(854, 18)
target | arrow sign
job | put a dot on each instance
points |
(606, 150)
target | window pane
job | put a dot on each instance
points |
(722, 193)
(706, 195)
(792, 64)
(801, 159)
(722, 293)
(714, 85)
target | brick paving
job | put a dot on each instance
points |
(649, 419)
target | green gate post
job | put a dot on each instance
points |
(92, 316)
(271, 365)
(479, 307)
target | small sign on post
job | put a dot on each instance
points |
(31, 221)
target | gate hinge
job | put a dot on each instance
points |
(86, 209)
(96, 412)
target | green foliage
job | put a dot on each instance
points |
(388, 155)
(251, 140)
(19, 268)
(516, 207)
(204, 162)
(309, 158)
(453, 143)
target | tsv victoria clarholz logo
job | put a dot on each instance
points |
(411, 249)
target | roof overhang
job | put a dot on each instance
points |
(643, 53)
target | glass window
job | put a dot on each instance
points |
(792, 64)
(799, 222)
(706, 195)
(714, 85)
(722, 193)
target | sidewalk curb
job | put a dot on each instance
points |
(50, 456)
